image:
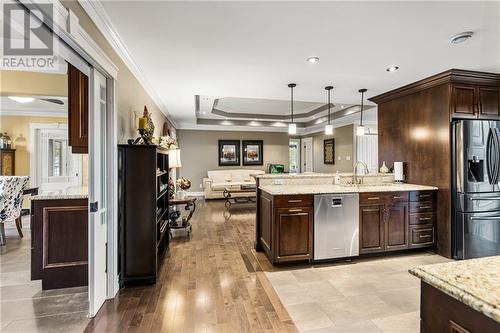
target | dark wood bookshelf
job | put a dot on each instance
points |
(143, 196)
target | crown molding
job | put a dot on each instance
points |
(101, 19)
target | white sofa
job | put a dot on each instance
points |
(218, 180)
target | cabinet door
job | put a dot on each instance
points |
(371, 223)
(396, 226)
(489, 102)
(463, 101)
(78, 111)
(294, 234)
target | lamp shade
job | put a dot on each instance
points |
(328, 129)
(174, 158)
(292, 129)
(360, 131)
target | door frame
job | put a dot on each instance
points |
(67, 28)
(303, 158)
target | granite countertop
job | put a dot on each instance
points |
(314, 175)
(474, 282)
(327, 188)
(71, 193)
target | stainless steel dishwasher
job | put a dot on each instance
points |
(336, 226)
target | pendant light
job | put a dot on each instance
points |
(328, 126)
(292, 127)
(361, 129)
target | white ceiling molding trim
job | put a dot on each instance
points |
(98, 15)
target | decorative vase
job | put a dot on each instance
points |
(384, 168)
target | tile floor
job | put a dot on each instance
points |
(24, 307)
(375, 295)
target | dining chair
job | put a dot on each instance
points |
(11, 202)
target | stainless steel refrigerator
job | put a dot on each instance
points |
(476, 189)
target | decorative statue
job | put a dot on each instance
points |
(146, 128)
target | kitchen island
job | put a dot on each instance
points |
(460, 296)
(59, 239)
(387, 217)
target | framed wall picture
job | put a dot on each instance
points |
(253, 152)
(329, 151)
(229, 152)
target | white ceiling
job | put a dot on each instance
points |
(254, 49)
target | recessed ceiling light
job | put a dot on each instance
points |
(461, 37)
(392, 69)
(313, 60)
(342, 106)
(22, 99)
(203, 112)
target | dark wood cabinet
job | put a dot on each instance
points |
(7, 162)
(414, 125)
(371, 225)
(285, 227)
(475, 102)
(78, 111)
(464, 101)
(440, 312)
(294, 233)
(489, 102)
(391, 221)
(59, 242)
(396, 226)
(142, 212)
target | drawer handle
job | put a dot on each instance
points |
(424, 218)
(398, 197)
(424, 195)
(294, 210)
(424, 236)
(373, 198)
(425, 207)
(294, 201)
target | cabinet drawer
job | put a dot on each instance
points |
(374, 198)
(421, 235)
(285, 201)
(422, 207)
(416, 196)
(399, 196)
(422, 218)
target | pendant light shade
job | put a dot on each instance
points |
(360, 131)
(292, 127)
(328, 126)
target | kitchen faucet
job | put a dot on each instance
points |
(355, 176)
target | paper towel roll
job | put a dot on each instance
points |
(398, 172)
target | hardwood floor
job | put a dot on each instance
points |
(212, 282)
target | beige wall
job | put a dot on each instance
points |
(21, 83)
(199, 151)
(18, 128)
(131, 97)
(344, 147)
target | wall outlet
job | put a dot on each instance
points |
(348, 158)
(201, 185)
(339, 158)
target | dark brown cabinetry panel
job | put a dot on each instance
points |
(266, 220)
(371, 222)
(489, 102)
(294, 229)
(440, 312)
(285, 227)
(464, 101)
(78, 110)
(414, 124)
(59, 242)
(396, 226)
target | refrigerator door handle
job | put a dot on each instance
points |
(490, 166)
(496, 155)
(485, 199)
(484, 218)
